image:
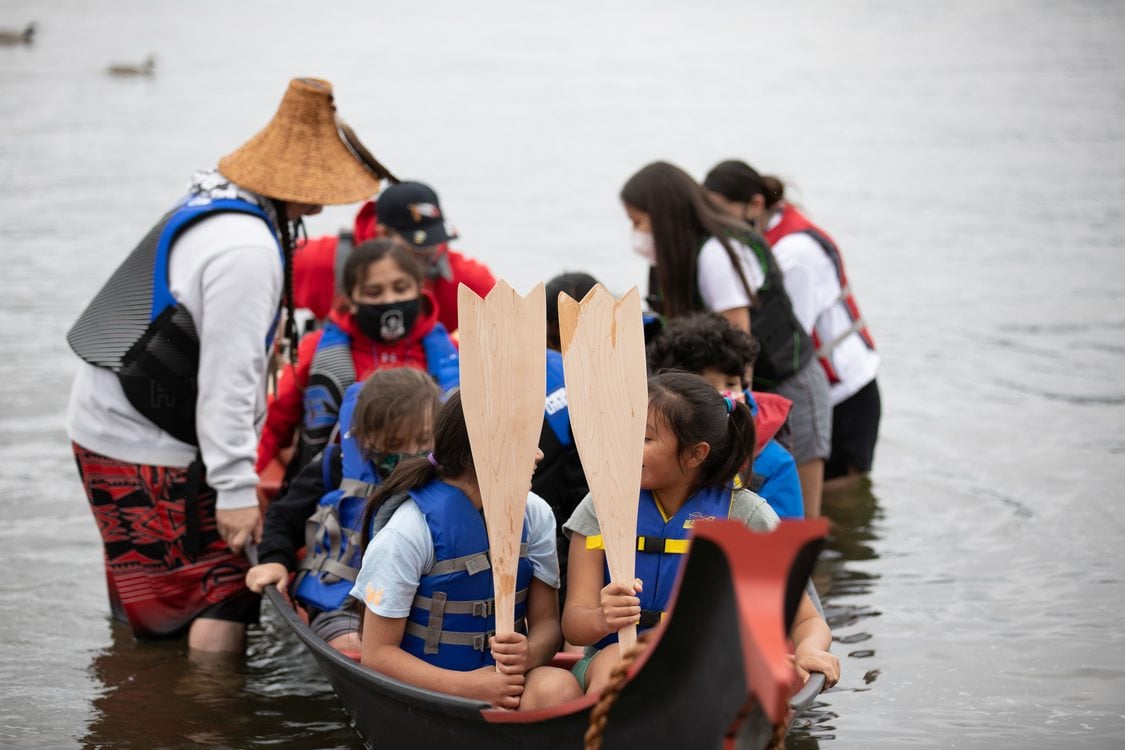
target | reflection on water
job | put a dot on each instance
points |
(845, 587)
(153, 696)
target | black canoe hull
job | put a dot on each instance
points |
(717, 676)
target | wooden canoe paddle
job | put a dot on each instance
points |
(603, 349)
(503, 386)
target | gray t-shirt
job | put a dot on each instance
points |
(745, 506)
(403, 550)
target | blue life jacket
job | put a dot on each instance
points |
(332, 372)
(451, 617)
(661, 546)
(333, 537)
(774, 475)
(135, 326)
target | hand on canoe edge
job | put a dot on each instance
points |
(268, 574)
(809, 658)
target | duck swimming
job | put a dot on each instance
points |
(126, 69)
(10, 37)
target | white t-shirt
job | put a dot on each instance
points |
(226, 270)
(745, 506)
(403, 550)
(719, 285)
(814, 291)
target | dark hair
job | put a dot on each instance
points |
(373, 251)
(392, 399)
(575, 283)
(696, 342)
(738, 181)
(683, 217)
(695, 412)
(452, 454)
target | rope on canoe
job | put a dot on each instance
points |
(599, 714)
(777, 742)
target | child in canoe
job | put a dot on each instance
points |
(427, 585)
(708, 345)
(385, 419)
(695, 442)
(391, 321)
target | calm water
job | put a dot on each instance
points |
(967, 156)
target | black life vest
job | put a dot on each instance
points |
(135, 326)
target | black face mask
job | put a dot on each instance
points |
(387, 323)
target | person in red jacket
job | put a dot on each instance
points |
(411, 212)
(389, 320)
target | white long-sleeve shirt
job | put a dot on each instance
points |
(226, 271)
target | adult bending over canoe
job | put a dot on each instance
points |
(427, 586)
(167, 403)
(695, 443)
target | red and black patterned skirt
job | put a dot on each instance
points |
(165, 561)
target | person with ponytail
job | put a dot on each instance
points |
(696, 442)
(426, 585)
(170, 394)
(704, 260)
(823, 302)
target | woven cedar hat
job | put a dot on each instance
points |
(301, 156)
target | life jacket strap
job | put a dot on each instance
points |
(650, 618)
(323, 558)
(480, 608)
(478, 641)
(472, 564)
(652, 544)
(824, 350)
(356, 488)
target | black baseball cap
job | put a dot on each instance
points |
(412, 210)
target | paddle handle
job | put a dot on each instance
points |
(627, 638)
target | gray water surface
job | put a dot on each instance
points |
(968, 157)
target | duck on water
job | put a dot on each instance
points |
(12, 37)
(145, 68)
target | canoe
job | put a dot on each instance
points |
(717, 673)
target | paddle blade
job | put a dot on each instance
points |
(607, 395)
(503, 386)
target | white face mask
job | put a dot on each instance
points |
(645, 246)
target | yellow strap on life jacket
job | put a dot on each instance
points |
(671, 546)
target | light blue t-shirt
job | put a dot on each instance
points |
(403, 550)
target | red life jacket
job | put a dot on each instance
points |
(793, 221)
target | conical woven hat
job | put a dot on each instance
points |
(300, 156)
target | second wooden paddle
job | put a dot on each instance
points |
(607, 394)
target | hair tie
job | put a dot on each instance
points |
(730, 404)
(432, 460)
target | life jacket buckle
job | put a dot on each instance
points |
(480, 640)
(477, 564)
(484, 608)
